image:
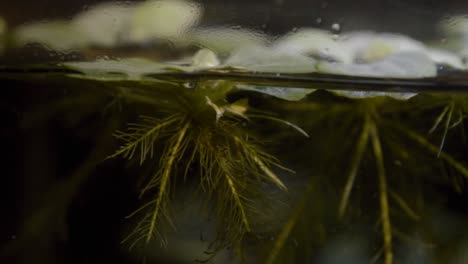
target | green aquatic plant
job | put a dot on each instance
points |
(372, 140)
(454, 111)
(198, 128)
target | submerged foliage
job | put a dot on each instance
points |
(361, 163)
(199, 129)
(232, 168)
(377, 139)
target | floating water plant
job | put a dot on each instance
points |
(285, 144)
(197, 128)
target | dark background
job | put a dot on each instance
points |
(413, 17)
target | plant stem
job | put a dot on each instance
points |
(360, 148)
(238, 201)
(384, 208)
(165, 180)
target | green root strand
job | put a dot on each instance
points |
(384, 207)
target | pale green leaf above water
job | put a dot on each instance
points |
(55, 35)
(371, 47)
(402, 65)
(285, 93)
(224, 40)
(314, 42)
(136, 69)
(104, 24)
(446, 57)
(163, 19)
(366, 94)
(264, 59)
(131, 68)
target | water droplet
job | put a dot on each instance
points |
(294, 29)
(236, 27)
(264, 26)
(336, 27)
(318, 20)
(190, 85)
(442, 68)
